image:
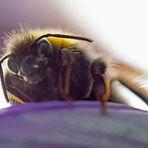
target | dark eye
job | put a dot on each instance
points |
(30, 64)
(45, 48)
(12, 65)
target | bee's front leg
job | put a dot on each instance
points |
(65, 74)
(101, 85)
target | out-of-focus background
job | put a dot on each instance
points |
(121, 26)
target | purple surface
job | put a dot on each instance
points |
(74, 124)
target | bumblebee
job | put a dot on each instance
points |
(44, 64)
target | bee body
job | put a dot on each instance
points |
(76, 77)
(48, 65)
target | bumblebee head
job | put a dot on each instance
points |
(31, 65)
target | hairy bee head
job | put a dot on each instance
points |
(31, 65)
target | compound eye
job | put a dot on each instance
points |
(12, 65)
(45, 48)
(30, 65)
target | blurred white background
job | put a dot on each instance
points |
(120, 25)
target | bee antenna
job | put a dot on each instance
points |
(5, 57)
(62, 36)
(2, 76)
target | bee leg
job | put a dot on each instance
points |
(100, 89)
(65, 75)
